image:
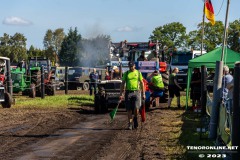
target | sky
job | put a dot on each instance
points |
(131, 20)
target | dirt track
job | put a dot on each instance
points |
(81, 134)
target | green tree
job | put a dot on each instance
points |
(69, 54)
(234, 35)
(95, 51)
(213, 36)
(170, 35)
(18, 47)
(194, 39)
(5, 48)
(52, 43)
(13, 47)
(35, 52)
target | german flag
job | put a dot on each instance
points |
(209, 11)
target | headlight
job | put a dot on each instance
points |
(16, 85)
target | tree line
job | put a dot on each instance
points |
(72, 49)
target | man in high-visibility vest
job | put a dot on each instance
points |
(156, 82)
(156, 85)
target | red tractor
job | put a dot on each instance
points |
(5, 83)
(135, 50)
(132, 51)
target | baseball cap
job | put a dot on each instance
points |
(131, 63)
(156, 71)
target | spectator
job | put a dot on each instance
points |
(107, 76)
(93, 81)
(132, 78)
(230, 96)
(142, 57)
(226, 79)
(153, 56)
(115, 73)
(156, 82)
(174, 88)
(196, 87)
(156, 85)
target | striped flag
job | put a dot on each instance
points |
(209, 11)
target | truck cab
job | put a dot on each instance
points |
(180, 60)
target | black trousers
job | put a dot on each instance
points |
(93, 86)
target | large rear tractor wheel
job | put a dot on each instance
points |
(7, 100)
(97, 104)
(36, 79)
(32, 92)
(51, 91)
(165, 77)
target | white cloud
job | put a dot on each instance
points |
(16, 21)
(125, 29)
(128, 29)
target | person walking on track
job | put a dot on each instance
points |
(134, 81)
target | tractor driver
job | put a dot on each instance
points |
(142, 57)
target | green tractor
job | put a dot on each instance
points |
(20, 84)
(28, 79)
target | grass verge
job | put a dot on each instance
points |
(58, 101)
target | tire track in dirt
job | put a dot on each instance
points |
(87, 136)
(151, 141)
(23, 127)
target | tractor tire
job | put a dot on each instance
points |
(85, 86)
(165, 77)
(36, 79)
(51, 91)
(8, 100)
(61, 85)
(25, 92)
(32, 92)
(97, 104)
(79, 88)
(104, 106)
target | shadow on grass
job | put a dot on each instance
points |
(80, 101)
(191, 137)
(81, 105)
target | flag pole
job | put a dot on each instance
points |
(218, 85)
(225, 30)
(203, 23)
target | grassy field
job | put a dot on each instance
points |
(59, 101)
(62, 101)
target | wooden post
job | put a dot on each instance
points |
(42, 83)
(66, 80)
